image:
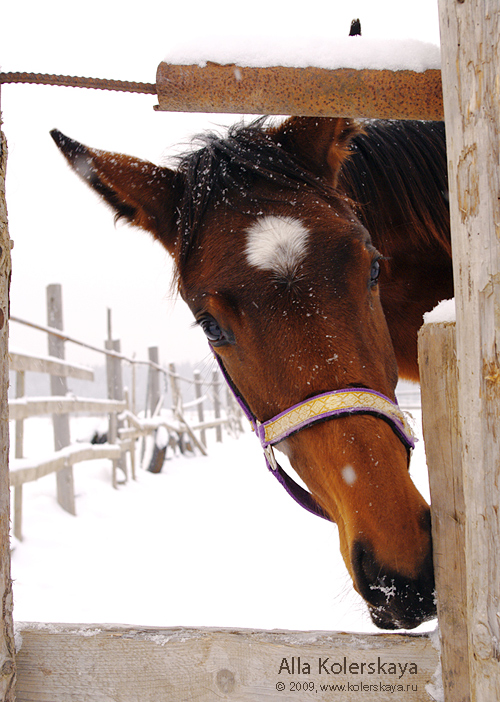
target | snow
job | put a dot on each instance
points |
(443, 312)
(210, 541)
(322, 52)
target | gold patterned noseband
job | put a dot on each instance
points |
(328, 405)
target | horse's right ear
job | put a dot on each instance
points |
(138, 191)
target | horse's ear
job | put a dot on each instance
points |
(138, 191)
(321, 144)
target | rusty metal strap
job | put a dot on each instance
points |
(280, 90)
(79, 82)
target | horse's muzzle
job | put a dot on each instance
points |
(394, 601)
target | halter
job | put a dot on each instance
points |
(328, 405)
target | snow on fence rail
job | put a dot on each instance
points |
(125, 427)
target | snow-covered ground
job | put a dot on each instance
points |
(210, 541)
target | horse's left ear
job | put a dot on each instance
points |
(320, 143)
(138, 191)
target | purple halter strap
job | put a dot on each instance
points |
(316, 409)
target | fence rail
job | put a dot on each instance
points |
(125, 426)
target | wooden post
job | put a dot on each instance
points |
(115, 392)
(174, 388)
(154, 380)
(18, 491)
(470, 51)
(7, 649)
(216, 396)
(58, 386)
(198, 390)
(20, 390)
(443, 446)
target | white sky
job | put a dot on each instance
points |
(61, 231)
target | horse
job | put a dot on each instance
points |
(308, 252)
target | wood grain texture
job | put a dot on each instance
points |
(7, 664)
(439, 387)
(68, 663)
(470, 53)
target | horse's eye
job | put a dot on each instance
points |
(374, 273)
(212, 330)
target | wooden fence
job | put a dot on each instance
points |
(57, 662)
(125, 425)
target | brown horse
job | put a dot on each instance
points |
(308, 253)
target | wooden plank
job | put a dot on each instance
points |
(443, 445)
(35, 407)
(20, 361)
(59, 662)
(280, 90)
(7, 664)
(470, 54)
(59, 386)
(27, 470)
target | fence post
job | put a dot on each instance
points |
(7, 650)
(58, 386)
(154, 380)
(198, 390)
(115, 392)
(18, 490)
(470, 57)
(443, 445)
(216, 396)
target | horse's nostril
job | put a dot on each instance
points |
(367, 565)
(395, 601)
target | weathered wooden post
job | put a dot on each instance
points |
(115, 392)
(59, 387)
(198, 391)
(154, 380)
(470, 51)
(19, 452)
(443, 446)
(216, 400)
(7, 650)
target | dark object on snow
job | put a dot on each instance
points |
(157, 459)
(99, 438)
(355, 30)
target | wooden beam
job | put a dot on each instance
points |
(58, 662)
(35, 407)
(20, 361)
(280, 90)
(470, 53)
(27, 470)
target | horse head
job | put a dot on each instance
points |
(283, 279)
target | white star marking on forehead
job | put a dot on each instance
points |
(277, 244)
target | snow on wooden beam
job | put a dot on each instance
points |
(309, 91)
(20, 361)
(23, 408)
(26, 470)
(58, 662)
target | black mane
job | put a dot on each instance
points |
(226, 170)
(397, 172)
(395, 168)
